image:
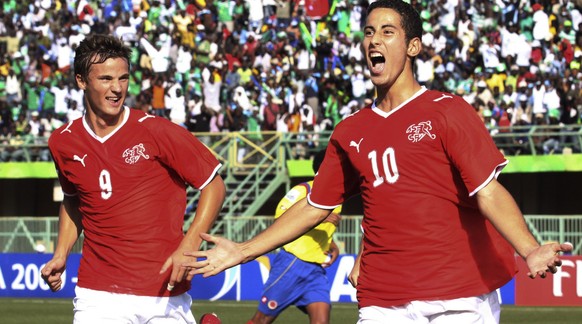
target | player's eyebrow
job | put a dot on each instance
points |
(369, 27)
(109, 76)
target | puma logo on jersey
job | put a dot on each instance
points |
(67, 128)
(419, 131)
(132, 155)
(146, 117)
(356, 145)
(443, 96)
(82, 160)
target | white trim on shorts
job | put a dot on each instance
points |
(102, 307)
(484, 309)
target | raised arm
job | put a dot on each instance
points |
(499, 207)
(70, 228)
(296, 221)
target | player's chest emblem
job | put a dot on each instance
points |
(417, 132)
(132, 155)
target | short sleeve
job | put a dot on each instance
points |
(185, 154)
(470, 147)
(336, 180)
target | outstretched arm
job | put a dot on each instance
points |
(499, 207)
(296, 221)
(210, 204)
(70, 228)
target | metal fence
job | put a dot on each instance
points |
(34, 234)
(513, 140)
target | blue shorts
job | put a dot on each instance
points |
(293, 282)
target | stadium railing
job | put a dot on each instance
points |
(34, 234)
(513, 140)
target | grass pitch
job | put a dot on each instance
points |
(60, 311)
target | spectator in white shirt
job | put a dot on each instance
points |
(176, 103)
(13, 86)
(211, 90)
(358, 85)
(541, 28)
(62, 95)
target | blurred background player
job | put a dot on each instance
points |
(298, 275)
(124, 175)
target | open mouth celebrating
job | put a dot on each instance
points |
(377, 62)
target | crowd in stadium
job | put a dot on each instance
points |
(285, 65)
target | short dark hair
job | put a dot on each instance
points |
(96, 49)
(409, 17)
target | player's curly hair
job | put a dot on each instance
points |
(96, 49)
(409, 17)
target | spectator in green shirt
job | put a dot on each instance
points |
(225, 17)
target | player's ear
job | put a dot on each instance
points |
(414, 47)
(80, 82)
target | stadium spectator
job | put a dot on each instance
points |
(212, 88)
(158, 95)
(49, 123)
(138, 204)
(13, 89)
(434, 231)
(167, 35)
(176, 101)
(36, 128)
(73, 112)
(61, 94)
(538, 108)
(358, 85)
(24, 147)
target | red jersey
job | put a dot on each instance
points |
(131, 185)
(417, 168)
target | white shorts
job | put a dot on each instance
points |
(484, 309)
(102, 307)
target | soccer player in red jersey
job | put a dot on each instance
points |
(440, 232)
(124, 174)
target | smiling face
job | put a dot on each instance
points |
(387, 51)
(106, 88)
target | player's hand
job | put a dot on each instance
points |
(333, 253)
(546, 258)
(52, 272)
(333, 218)
(175, 262)
(354, 274)
(226, 254)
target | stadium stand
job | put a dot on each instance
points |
(291, 65)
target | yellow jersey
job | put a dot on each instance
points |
(310, 247)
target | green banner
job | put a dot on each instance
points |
(21, 170)
(303, 168)
(544, 163)
(300, 168)
(517, 164)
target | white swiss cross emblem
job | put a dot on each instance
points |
(418, 131)
(132, 155)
